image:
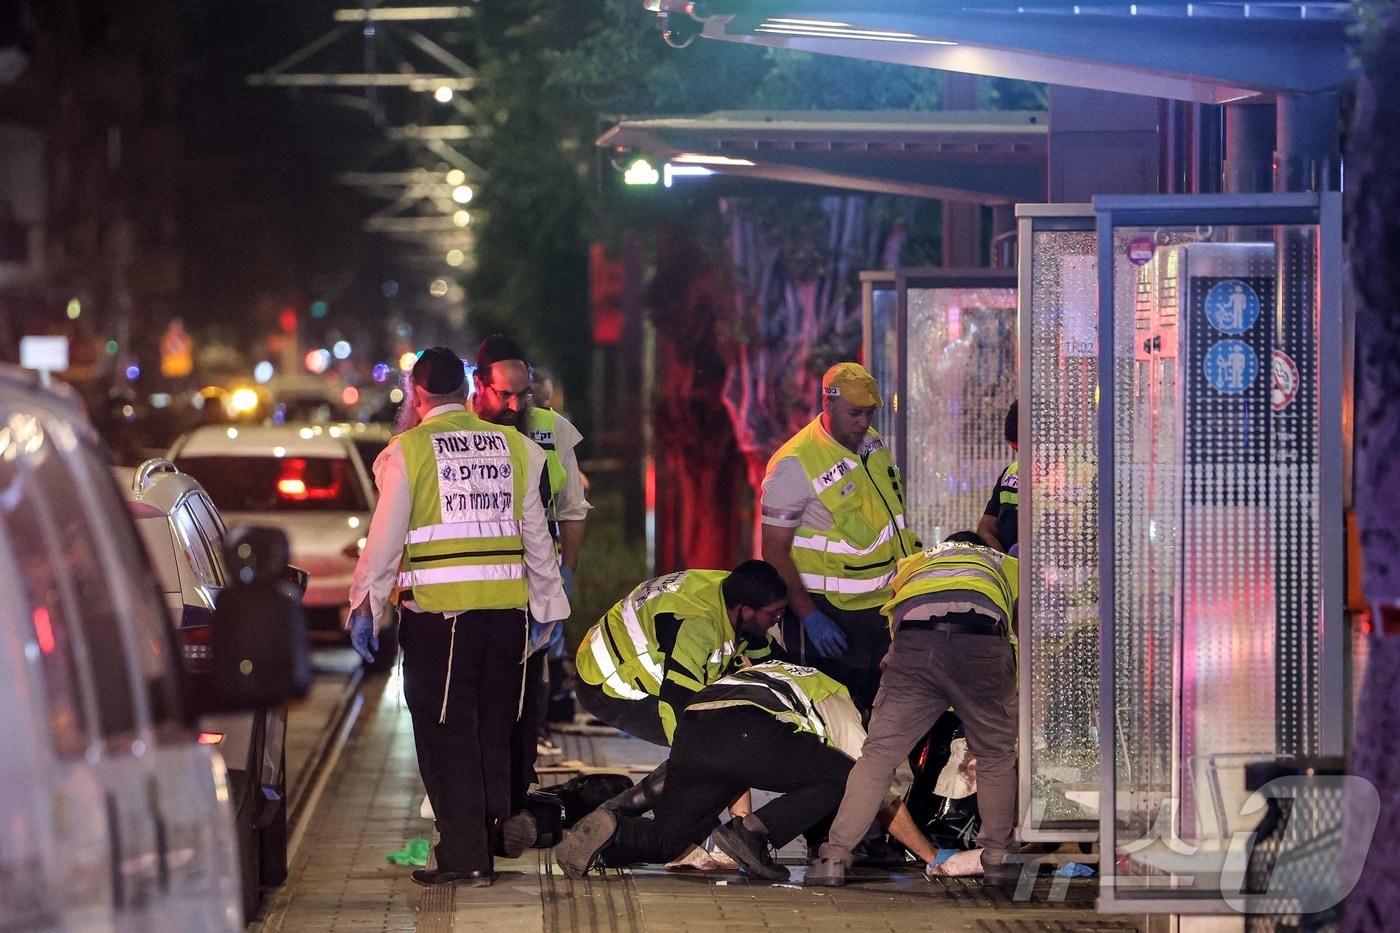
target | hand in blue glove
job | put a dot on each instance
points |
(540, 633)
(824, 634)
(567, 575)
(363, 638)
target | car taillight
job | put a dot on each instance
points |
(292, 484)
(195, 646)
(210, 738)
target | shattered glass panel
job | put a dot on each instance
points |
(1218, 588)
(1059, 500)
(962, 379)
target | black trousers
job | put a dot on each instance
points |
(717, 755)
(464, 747)
(524, 738)
(640, 718)
(858, 667)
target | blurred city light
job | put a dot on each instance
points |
(75, 308)
(462, 218)
(395, 395)
(112, 348)
(438, 288)
(263, 371)
(456, 177)
(380, 372)
(407, 360)
(232, 433)
(390, 288)
(160, 400)
(350, 396)
(341, 349)
(242, 401)
(318, 360)
(462, 194)
(455, 257)
(443, 94)
(319, 309)
(133, 372)
(287, 319)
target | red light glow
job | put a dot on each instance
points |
(43, 629)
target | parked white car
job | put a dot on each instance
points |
(114, 816)
(307, 480)
(184, 537)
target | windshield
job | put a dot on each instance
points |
(278, 484)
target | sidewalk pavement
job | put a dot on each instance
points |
(340, 880)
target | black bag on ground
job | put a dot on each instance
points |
(580, 796)
(949, 822)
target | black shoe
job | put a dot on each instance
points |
(582, 844)
(750, 850)
(433, 878)
(518, 834)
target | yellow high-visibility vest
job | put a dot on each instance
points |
(465, 548)
(853, 562)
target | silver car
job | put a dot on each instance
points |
(184, 536)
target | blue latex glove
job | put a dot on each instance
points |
(540, 634)
(824, 634)
(363, 637)
(567, 575)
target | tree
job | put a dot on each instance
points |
(1373, 179)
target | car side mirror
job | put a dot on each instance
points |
(259, 653)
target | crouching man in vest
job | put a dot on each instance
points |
(459, 533)
(774, 726)
(952, 616)
(664, 642)
(833, 525)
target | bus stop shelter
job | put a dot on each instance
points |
(1180, 372)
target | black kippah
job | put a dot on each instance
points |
(439, 371)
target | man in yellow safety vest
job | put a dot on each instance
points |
(952, 615)
(833, 525)
(459, 540)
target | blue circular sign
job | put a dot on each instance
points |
(1232, 306)
(1230, 366)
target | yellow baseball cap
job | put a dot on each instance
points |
(852, 382)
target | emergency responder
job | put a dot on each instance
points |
(773, 726)
(460, 533)
(833, 525)
(951, 616)
(669, 638)
(503, 396)
(997, 526)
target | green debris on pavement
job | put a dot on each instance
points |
(414, 852)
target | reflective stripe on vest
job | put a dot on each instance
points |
(467, 480)
(954, 567)
(789, 692)
(611, 678)
(853, 562)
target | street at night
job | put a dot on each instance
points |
(698, 465)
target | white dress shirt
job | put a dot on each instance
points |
(377, 571)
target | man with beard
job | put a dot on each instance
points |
(459, 542)
(503, 396)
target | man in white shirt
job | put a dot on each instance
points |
(459, 539)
